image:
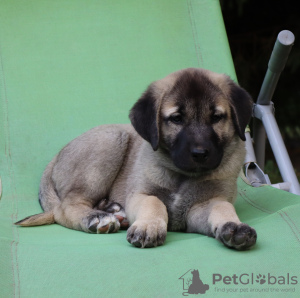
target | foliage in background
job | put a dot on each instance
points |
(252, 27)
(272, 170)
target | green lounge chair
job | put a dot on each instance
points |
(67, 66)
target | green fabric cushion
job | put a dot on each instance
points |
(67, 66)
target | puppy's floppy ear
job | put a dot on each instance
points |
(144, 117)
(241, 108)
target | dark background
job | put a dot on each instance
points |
(252, 27)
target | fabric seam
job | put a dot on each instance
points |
(282, 214)
(9, 166)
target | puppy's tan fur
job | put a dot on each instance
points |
(174, 168)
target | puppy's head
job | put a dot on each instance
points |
(193, 115)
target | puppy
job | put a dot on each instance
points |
(175, 168)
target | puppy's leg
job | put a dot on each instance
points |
(76, 212)
(148, 218)
(217, 218)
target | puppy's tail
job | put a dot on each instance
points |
(46, 218)
(48, 199)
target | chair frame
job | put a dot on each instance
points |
(265, 124)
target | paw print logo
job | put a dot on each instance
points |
(261, 279)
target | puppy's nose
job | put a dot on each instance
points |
(200, 154)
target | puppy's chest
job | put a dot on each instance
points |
(179, 199)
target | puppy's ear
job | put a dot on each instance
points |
(241, 109)
(144, 117)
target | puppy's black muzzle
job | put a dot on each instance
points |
(197, 150)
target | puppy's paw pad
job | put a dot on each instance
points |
(238, 236)
(124, 223)
(147, 234)
(108, 224)
(103, 223)
(118, 211)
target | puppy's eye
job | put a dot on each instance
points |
(217, 118)
(176, 118)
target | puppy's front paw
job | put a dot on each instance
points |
(147, 233)
(238, 236)
(102, 223)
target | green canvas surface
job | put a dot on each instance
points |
(67, 66)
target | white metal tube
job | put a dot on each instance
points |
(282, 158)
(250, 155)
